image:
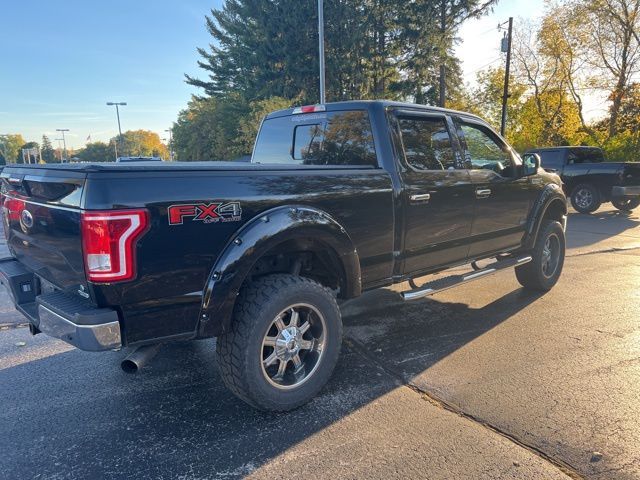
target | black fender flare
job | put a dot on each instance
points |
(552, 196)
(258, 237)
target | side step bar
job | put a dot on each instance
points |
(454, 280)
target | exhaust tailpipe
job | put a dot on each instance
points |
(139, 358)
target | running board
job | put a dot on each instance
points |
(454, 280)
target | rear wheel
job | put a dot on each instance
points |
(626, 204)
(544, 270)
(284, 342)
(585, 198)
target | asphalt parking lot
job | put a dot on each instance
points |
(483, 381)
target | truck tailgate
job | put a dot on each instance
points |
(631, 173)
(41, 220)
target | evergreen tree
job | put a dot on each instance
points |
(375, 48)
(47, 151)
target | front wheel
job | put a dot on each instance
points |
(544, 270)
(626, 204)
(284, 342)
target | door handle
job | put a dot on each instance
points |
(422, 197)
(483, 192)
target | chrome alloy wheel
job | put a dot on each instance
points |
(293, 345)
(550, 255)
(584, 198)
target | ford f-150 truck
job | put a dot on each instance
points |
(337, 199)
(588, 180)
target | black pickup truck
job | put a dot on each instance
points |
(338, 199)
(589, 180)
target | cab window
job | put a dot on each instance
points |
(552, 159)
(426, 143)
(585, 155)
(332, 138)
(485, 151)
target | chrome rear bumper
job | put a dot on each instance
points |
(60, 314)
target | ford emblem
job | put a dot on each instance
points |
(26, 219)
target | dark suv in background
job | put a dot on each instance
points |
(589, 180)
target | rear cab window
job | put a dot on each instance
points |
(585, 155)
(552, 159)
(320, 138)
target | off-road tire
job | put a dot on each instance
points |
(532, 275)
(578, 202)
(239, 352)
(626, 204)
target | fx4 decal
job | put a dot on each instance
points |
(205, 212)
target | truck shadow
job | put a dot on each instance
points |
(584, 230)
(176, 417)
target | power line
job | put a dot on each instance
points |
(483, 67)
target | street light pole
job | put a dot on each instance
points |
(323, 98)
(117, 104)
(170, 144)
(64, 142)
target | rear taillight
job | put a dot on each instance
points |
(109, 241)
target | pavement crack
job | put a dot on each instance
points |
(439, 402)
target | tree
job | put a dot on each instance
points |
(220, 128)
(264, 55)
(485, 99)
(142, 143)
(96, 152)
(375, 48)
(594, 45)
(10, 146)
(47, 151)
(249, 124)
(613, 27)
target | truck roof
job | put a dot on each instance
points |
(210, 165)
(368, 104)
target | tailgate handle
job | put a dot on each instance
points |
(17, 181)
(422, 197)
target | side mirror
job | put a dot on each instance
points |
(530, 164)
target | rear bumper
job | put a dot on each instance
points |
(631, 191)
(60, 314)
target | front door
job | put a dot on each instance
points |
(502, 195)
(437, 195)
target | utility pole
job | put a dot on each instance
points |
(505, 96)
(170, 143)
(117, 104)
(64, 142)
(323, 97)
(443, 70)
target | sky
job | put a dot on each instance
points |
(62, 61)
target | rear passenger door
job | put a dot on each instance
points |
(437, 197)
(501, 195)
